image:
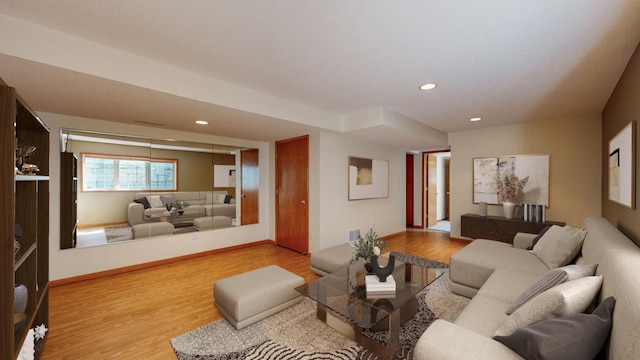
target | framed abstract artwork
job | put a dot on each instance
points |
(486, 170)
(368, 178)
(622, 169)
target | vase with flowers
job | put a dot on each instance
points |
(366, 247)
(511, 191)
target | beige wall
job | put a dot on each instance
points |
(574, 152)
(332, 215)
(623, 106)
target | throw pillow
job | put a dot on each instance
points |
(209, 199)
(219, 198)
(568, 298)
(537, 238)
(559, 245)
(143, 201)
(550, 279)
(227, 199)
(167, 200)
(154, 201)
(577, 336)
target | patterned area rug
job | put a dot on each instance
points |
(118, 233)
(296, 333)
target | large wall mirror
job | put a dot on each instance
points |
(117, 188)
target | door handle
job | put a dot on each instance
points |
(303, 202)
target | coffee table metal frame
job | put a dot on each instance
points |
(343, 295)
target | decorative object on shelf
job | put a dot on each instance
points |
(40, 331)
(23, 151)
(483, 209)
(510, 190)
(17, 238)
(29, 169)
(20, 295)
(366, 247)
(383, 272)
(534, 212)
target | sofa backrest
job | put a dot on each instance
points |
(191, 197)
(620, 270)
(602, 237)
(618, 259)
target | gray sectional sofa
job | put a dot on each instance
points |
(201, 203)
(496, 274)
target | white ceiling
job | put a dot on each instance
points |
(504, 61)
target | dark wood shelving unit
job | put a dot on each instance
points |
(68, 200)
(25, 202)
(499, 228)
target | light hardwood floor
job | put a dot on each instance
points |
(133, 315)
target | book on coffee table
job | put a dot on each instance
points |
(376, 288)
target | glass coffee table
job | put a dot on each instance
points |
(342, 295)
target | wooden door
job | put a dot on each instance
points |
(292, 194)
(432, 189)
(409, 190)
(249, 186)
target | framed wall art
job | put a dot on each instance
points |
(486, 170)
(368, 178)
(224, 176)
(622, 170)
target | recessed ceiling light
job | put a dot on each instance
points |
(428, 86)
(475, 119)
(202, 122)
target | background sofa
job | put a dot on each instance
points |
(495, 274)
(201, 203)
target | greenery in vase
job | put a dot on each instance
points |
(511, 188)
(365, 247)
(180, 204)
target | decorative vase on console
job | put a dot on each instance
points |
(509, 208)
(511, 191)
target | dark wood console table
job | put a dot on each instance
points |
(499, 228)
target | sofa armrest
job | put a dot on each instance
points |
(135, 214)
(445, 340)
(523, 240)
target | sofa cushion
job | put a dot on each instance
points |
(507, 284)
(167, 200)
(483, 315)
(559, 245)
(577, 336)
(567, 298)
(143, 201)
(473, 264)
(155, 201)
(550, 279)
(537, 238)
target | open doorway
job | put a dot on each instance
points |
(437, 194)
(428, 195)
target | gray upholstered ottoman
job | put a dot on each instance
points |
(330, 260)
(152, 229)
(211, 222)
(252, 296)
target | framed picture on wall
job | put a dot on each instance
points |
(622, 169)
(368, 178)
(487, 169)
